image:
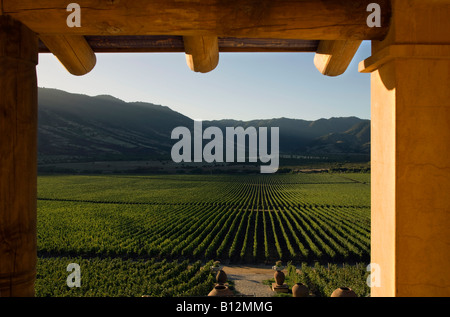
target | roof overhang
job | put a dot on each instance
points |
(333, 29)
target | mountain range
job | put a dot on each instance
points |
(74, 127)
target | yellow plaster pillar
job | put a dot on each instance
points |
(410, 96)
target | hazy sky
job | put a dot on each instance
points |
(244, 86)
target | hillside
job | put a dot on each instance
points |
(76, 128)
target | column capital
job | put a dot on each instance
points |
(418, 29)
(405, 51)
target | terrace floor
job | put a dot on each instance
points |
(248, 280)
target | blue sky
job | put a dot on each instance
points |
(244, 86)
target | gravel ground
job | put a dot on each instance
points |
(248, 279)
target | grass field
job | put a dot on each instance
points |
(186, 221)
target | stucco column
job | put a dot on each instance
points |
(410, 105)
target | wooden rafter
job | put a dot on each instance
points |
(72, 51)
(202, 52)
(333, 57)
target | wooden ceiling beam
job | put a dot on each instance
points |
(333, 57)
(276, 19)
(202, 52)
(73, 52)
(166, 44)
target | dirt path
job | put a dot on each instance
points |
(248, 279)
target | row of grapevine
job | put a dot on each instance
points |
(250, 218)
(322, 280)
(115, 277)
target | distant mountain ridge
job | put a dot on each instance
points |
(75, 127)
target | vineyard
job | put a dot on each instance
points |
(304, 218)
(322, 280)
